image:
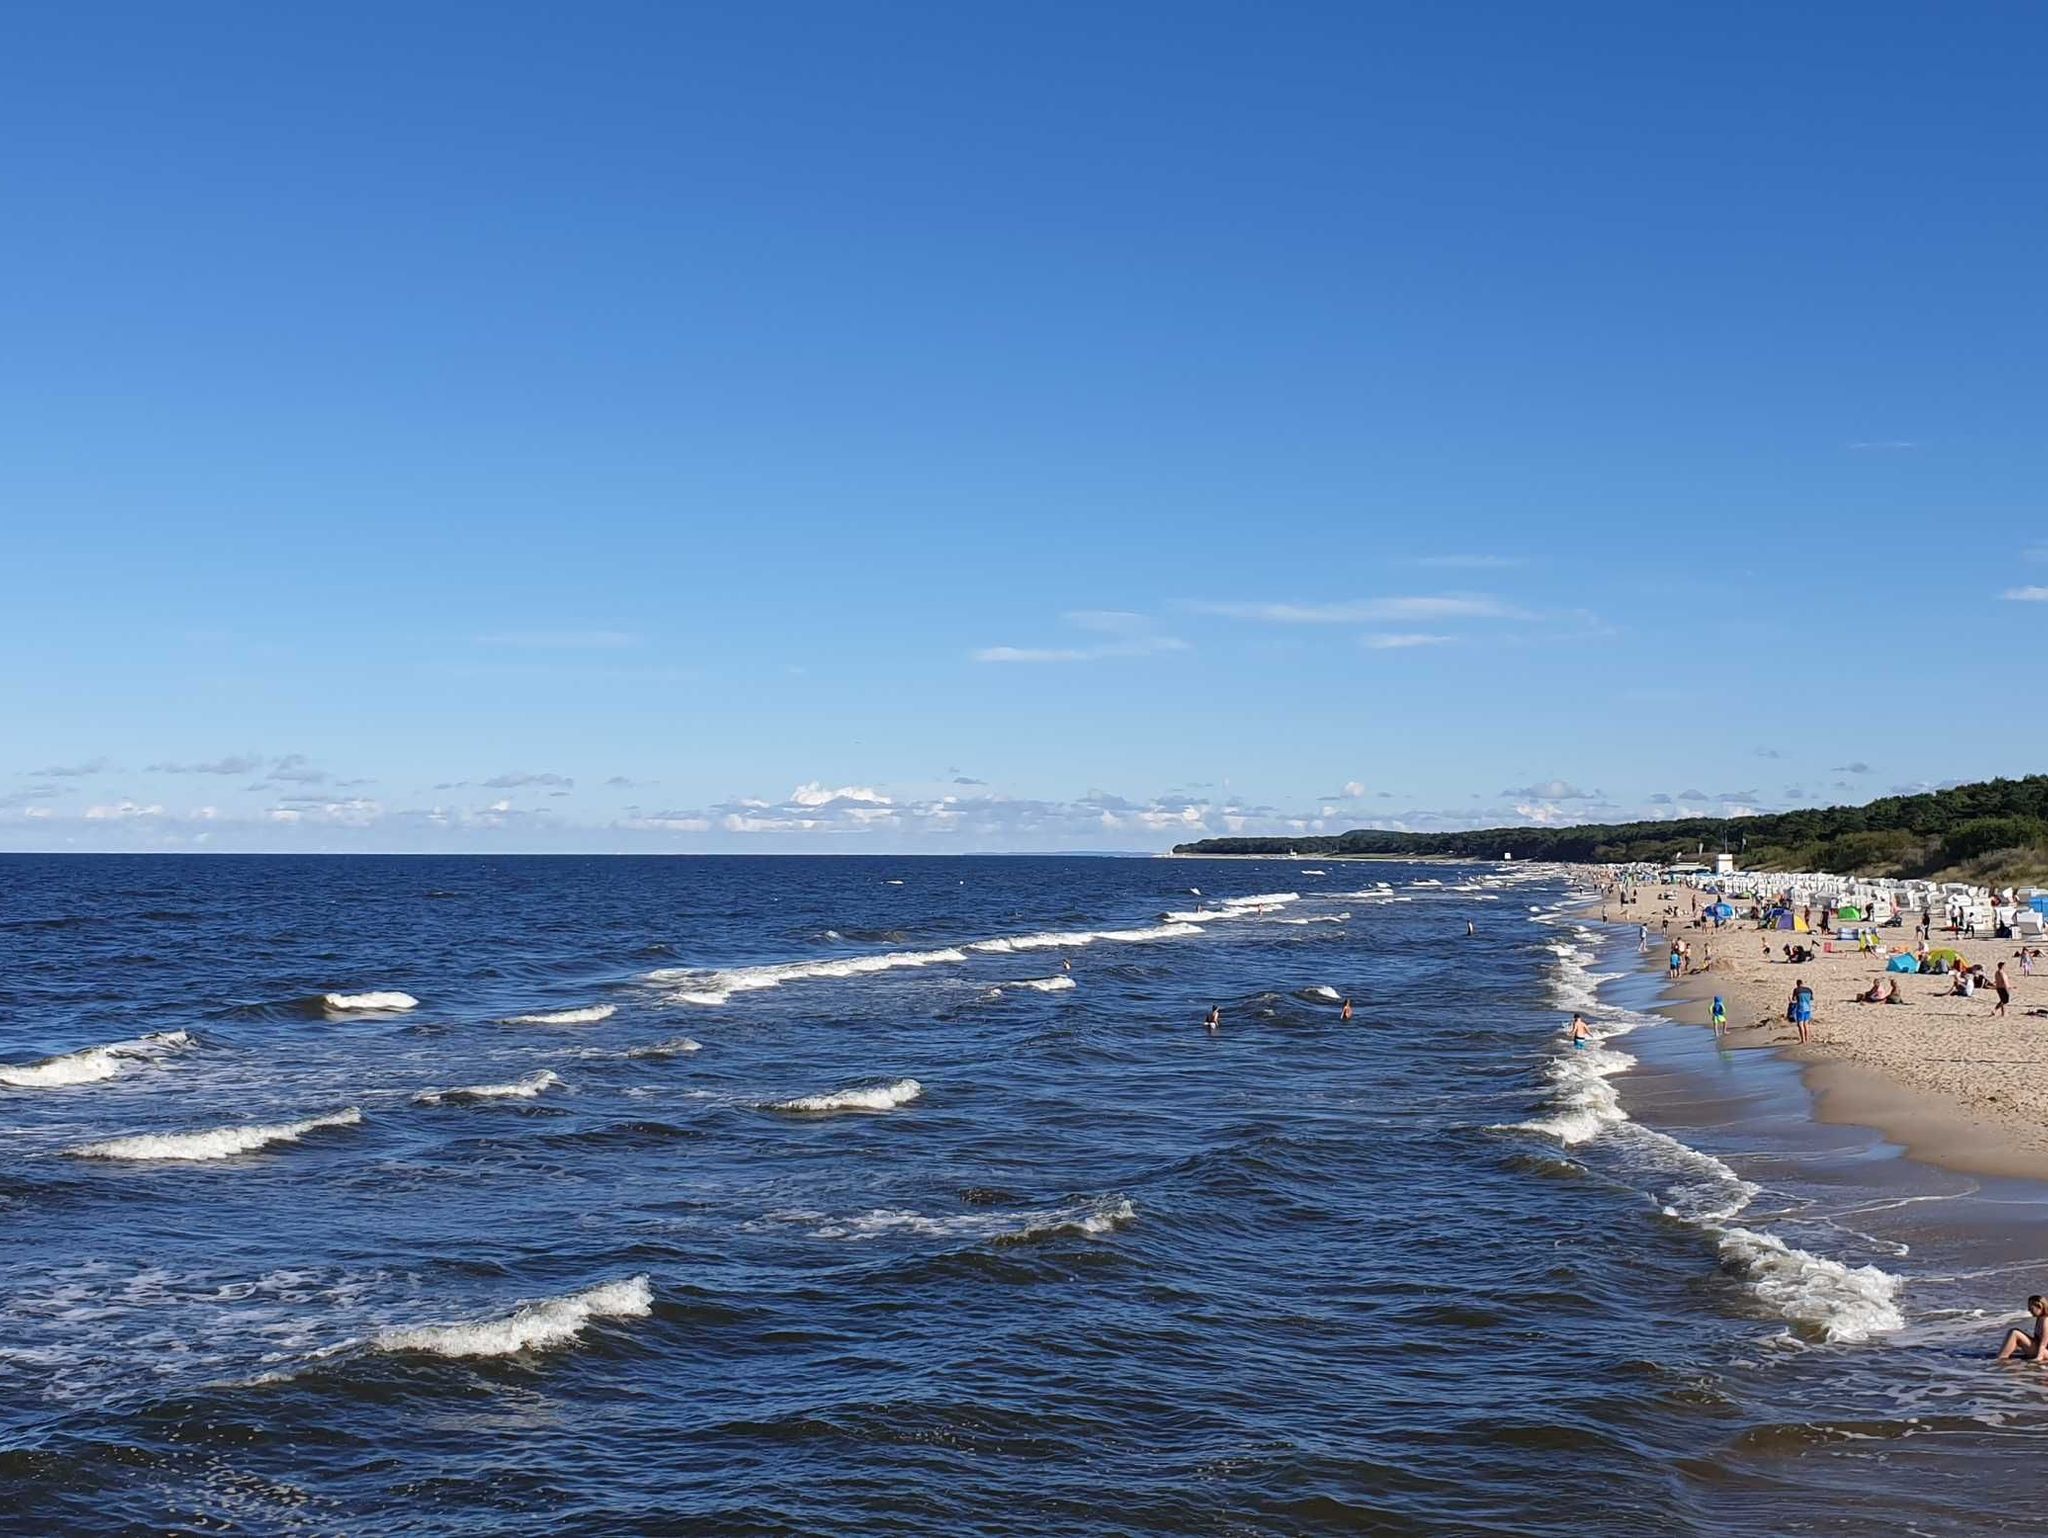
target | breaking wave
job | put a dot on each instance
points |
(883, 1097)
(715, 987)
(1320, 995)
(670, 1048)
(372, 1002)
(92, 1064)
(589, 1016)
(1089, 1220)
(519, 1089)
(1837, 1302)
(530, 1327)
(219, 1143)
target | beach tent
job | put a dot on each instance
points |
(1903, 962)
(1720, 911)
(1952, 958)
(1850, 914)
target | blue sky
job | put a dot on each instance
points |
(944, 427)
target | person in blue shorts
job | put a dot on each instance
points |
(1677, 960)
(1582, 1034)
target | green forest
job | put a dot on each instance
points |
(1994, 831)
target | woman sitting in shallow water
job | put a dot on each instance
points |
(2024, 1347)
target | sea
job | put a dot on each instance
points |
(913, 1196)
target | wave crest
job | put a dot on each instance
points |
(884, 1097)
(518, 1089)
(92, 1064)
(218, 1143)
(374, 1002)
(587, 1016)
(531, 1326)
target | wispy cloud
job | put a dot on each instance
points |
(297, 769)
(1368, 611)
(82, 771)
(1387, 641)
(1858, 767)
(1883, 445)
(1469, 562)
(236, 763)
(1123, 634)
(2027, 594)
(516, 779)
(561, 640)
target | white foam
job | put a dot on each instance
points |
(1090, 1220)
(669, 1048)
(883, 1097)
(589, 1016)
(1843, 1303)
(1321, 918)
(92, 1064)
(374, 1001)
(1058, 984)
(715, 987)
(519, 1089)
(1074, 939)
(530, 1327)
(219, 1143)
(1263, 900)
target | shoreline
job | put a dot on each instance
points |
(1873, 1066)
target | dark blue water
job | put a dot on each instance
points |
(1097, 1271)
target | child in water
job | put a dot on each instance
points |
(2025, 1347)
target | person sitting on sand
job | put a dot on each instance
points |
(2023, 1346)
(1965, 985)
(1874, 994)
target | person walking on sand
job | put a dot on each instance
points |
(1801, 1009)
(2028, 1346)
(2003, 984)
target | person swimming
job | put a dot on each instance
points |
(2023, 1346)
(1347, 1010)
(1215, 1016)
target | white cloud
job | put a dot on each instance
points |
(1369, 610)
(2027, 594)
(1354, 789)
(1126, 635)
(515, 780)
(561, 640)
(815, 794)
(1384, 641)
(121, 811)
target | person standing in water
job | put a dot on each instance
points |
(1471, 929)
(1720, 1016)
(1581, 1033)
(2023, 1346)
(1347, 1010)
(1215, 1016)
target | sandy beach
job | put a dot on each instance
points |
(1939, 1074)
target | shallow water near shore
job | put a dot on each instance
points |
(817, 1195)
